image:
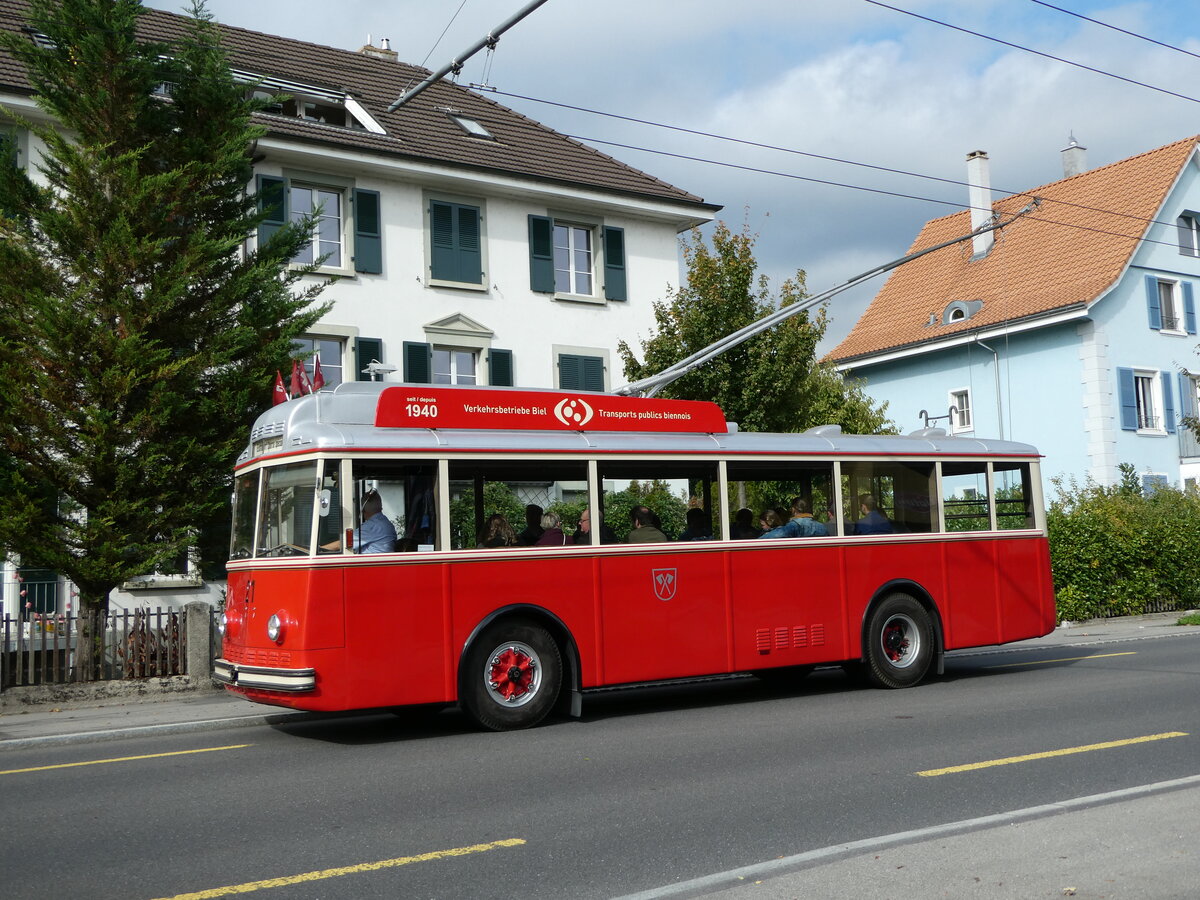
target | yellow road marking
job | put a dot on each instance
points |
(1038, 662)
(1067, 751)
(99, 762)
(346, 870)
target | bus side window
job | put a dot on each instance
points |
(407, 495)
(668, 489)
(496, 504)
(755, 487)
(888, 497)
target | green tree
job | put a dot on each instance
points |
(772, 382)
(137, 340)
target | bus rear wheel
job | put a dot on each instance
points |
(899, 642)
(512, 676)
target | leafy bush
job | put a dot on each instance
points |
(1113, 550)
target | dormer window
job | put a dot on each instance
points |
(310, 103)
(960, 310)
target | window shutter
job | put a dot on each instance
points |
(580, 373)
(272, 202)
(615, 286)
(1127, 396)
(1183, 229)
(368, 233)
(500, 367)
(1168, 402)
(418, 362)
(366, 350)
(455, 245)
(541, 254)
(1152, 304)
(1187, 396)
(1189, 308)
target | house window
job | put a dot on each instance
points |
(580, 372)
(311, 103)
(1170, 305)
(322, 351)
(1148, 417)
(960, 415)
(568, 259)
(1187, 228)
(454, 366)
(326, 205)
(572, 259)
(455, 243)
(343, 214)
(1147, 401)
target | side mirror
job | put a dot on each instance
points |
(324, 498)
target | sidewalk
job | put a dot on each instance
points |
(183, 708)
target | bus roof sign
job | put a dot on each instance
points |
(416, 406)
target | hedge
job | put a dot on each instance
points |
(1115, 550)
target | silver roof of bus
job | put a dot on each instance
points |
(344, 419)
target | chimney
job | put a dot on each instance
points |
(1074, 157)
(383, 52)
(979, 187)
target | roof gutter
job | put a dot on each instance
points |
(1074, 312)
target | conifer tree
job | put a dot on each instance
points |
(772, 382)
(138, 338)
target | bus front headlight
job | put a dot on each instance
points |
(275, 628)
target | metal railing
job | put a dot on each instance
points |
(54, 648)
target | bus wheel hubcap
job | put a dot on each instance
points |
(901, 640)
(512, 674)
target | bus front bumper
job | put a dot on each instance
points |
(264, 678)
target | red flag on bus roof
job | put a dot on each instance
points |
(297, 385)
(318, 380)
(306, 385)
(279, 395)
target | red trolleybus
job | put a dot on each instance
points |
(952, 555)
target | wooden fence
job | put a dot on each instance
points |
(53, 648)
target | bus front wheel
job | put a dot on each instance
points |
(899, 642)
(513, 673)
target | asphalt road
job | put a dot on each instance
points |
(656, 791)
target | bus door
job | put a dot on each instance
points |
(664, 611)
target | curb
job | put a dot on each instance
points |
(116, 734)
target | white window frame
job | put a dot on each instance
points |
(453, 361)
(962, 420)
(344, 337)
(1170, 293)
(1147, 393)
(332, 184)
(595, 228)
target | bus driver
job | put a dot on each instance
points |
(377, 534)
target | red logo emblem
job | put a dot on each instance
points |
(665, 582)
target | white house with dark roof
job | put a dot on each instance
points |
(1073, 328)
(471, 244)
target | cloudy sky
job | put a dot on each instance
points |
(861, 82)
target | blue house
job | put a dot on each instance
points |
(1072, 328)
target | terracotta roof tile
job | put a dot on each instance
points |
(419, 130)
(1067, 252)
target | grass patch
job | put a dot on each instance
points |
(1193, 619)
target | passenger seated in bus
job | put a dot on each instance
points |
(646, 527)
(533, 526)
(583, 534)
(800, 524)
(699, 528)
(769, 520)
(497, 532)
(743, 525)
(872, 521)
(552, 533)
(377, 534)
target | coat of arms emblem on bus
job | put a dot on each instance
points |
(573, 413)
(665, 582)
